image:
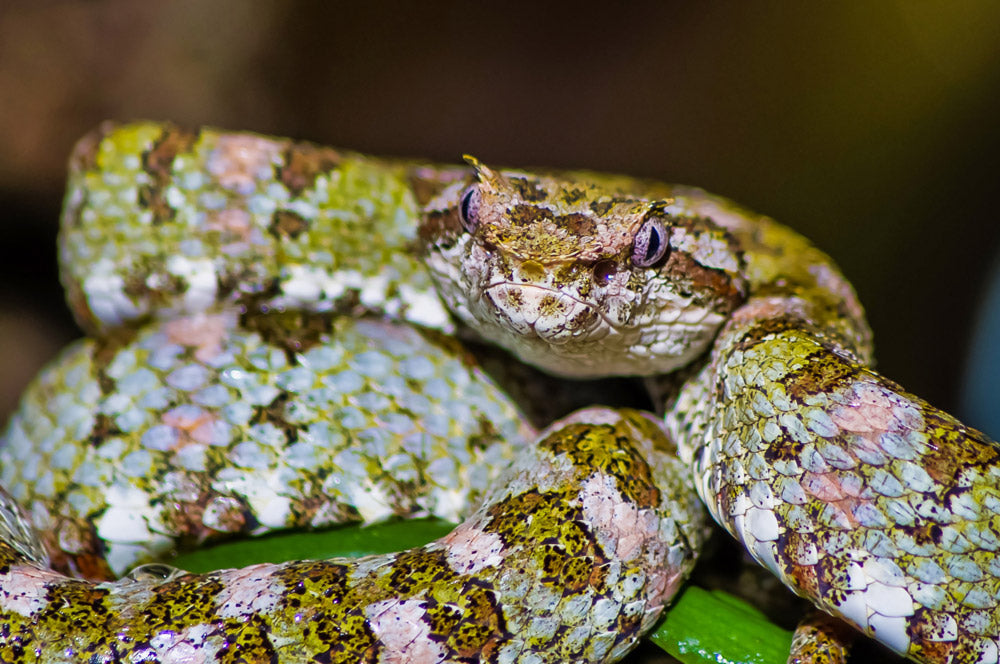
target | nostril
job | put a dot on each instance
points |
(603, 271)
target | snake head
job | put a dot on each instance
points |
(581, 275)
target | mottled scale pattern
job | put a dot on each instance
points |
(211, 425)
(875, 505)
(160, 220)
(571, 558)
(820, 638)
(882, 509)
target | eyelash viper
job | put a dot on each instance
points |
(877, 506)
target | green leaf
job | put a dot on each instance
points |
(712, 626)
(351, 541)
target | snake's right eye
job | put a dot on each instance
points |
(468, 208)
(651, 242)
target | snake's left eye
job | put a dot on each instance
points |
(468, 208)
(651, 242)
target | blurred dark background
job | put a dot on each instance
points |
(870, 127)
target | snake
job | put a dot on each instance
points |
(284, 335)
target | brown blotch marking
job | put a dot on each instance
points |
(449, 346)
(528, 189)
(550, 305)
(590, 448)
(575, 537)
(78, 607)
(76, 299)
(333, 630)
(340, 637)
(577, 223)
(303, 163)
(726, 497)
(158, 160)
(925, 638)
(483, 628)
(89, 558)
(485, 437)
(803, 576)
(704, 284)
(287, 224)
(85, 151)
(579, 573)
(939, 651)
(442, 616)
(572, 195)
(418, 569)
(599, 576)
(518, 518)
(627, 625)
(822, 372)
(304, 510)
(275, 413)
(603, 207)
(528, 215)
(253, 302)
(89, 565)
(550, 559)
(766, 329)
(293, 331)
(9, 556)
(954, 447)
(158, 163)
(312, 578)
(105, 382)
(438, 228)
(784, 449)
(151, 197)
(183, 601)
(104, 427)
(805, 579)
(185, 518)
(514, 297)
(137, 281)
(248, 641)
(471, 640)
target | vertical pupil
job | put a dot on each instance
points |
(652, 242)
(464, 206)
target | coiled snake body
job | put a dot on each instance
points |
(246, 376)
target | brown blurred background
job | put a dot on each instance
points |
(870, 127)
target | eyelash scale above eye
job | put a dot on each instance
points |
(651, 242)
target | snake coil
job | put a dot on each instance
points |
(272, 348)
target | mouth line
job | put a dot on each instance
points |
(552, 291)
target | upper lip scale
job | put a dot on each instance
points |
(558, 293)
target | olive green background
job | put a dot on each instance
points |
(869, 126)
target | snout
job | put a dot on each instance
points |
(550, 315)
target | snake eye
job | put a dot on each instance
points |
(650, 243)
(468, 208)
